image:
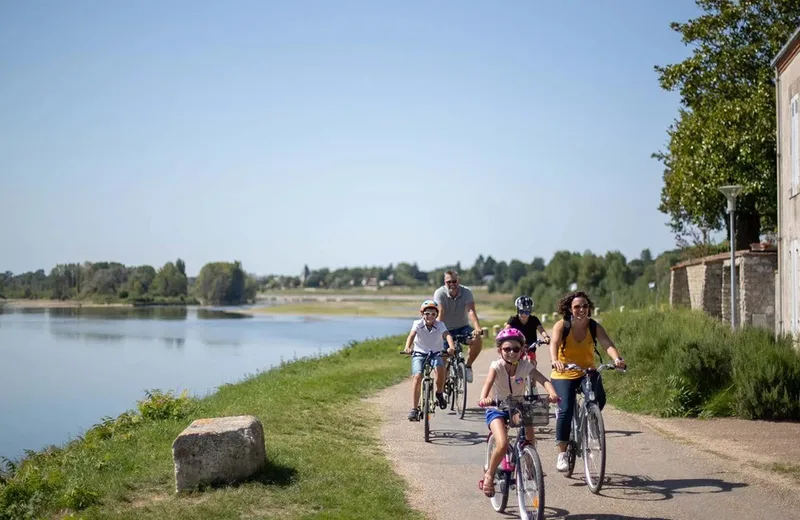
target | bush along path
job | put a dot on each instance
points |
(321, 444)
(657, 468)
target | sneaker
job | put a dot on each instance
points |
(413, 415)
(442, 402)
(562, 464)
(468, 373)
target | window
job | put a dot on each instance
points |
(795, 145)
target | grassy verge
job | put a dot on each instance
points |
(322, 451)
(685, 363)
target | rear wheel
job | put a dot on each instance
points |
(594, 448)
(502, 480)
(450, 385)
(530, 485)
(461, 389)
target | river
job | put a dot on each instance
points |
(62, 370)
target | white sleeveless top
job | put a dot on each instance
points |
(505, 384)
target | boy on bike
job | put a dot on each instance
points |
(528, 324)
(426, 336)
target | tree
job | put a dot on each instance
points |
(725, 132)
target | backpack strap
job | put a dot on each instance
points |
(592, 331)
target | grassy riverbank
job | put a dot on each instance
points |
(323, 460)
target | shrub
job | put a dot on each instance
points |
(686, 363)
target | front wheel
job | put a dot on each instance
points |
(594, 448)
(426, 408)
(461, 390)
(530, 485)
(502, 480)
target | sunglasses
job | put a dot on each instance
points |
(525, 313)
(451, 282)
(581, 306)
(511, 349)
(430, 313)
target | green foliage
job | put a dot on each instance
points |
(725, 132)
(159, 405)
(684, 364)
(224, 283)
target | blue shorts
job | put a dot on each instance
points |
(494, 413)
(466, 329)
(417, 361)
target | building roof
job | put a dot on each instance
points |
(787, 47)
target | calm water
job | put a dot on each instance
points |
(62, 370)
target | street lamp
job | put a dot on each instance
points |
(730, 193)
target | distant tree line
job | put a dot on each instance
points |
(611, 279)
(217, 283)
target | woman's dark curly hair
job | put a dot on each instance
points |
(564, 305)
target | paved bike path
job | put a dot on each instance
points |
(648, 476)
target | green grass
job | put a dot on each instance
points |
(370, 308)
(322, 451)
(685, 364)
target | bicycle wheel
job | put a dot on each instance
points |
(594, 448)
(461, 389)
(530, 485)
(572, 449)
(502, 480)
(450, 385)
(426, 408)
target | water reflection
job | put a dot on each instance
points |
(122, 313)
(88, 336)
(218, 314)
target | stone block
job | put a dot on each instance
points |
(220, 450)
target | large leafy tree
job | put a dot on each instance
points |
(725, 131)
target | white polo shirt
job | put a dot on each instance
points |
(428, 340)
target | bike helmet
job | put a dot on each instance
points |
(510, 334)
(524, 303)
(429, 304)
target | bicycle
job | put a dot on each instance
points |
(427, 402)
(455, 384)
(530, 388)
(521, 459)
(587, 411)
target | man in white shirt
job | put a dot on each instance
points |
(426, 336)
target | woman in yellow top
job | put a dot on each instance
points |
(576, 307)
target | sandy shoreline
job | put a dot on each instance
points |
(54, 304)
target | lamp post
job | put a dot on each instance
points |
(730, 193)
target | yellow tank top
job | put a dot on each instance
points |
(579, 352)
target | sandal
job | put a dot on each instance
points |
(487, 486)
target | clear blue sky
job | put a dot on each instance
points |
(331, 133)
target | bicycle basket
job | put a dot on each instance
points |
(534, 413)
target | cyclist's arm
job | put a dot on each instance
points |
(542, 380)
(543, 332)
(555, 340)
(487, 386)
(602, 337)
(410, 340)
(472, 314)
(449, 338)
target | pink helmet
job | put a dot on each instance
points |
(510, 334)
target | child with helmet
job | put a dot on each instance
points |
(507, 377)
(426, 335)
(528, 324)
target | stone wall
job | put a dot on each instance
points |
(704, 284)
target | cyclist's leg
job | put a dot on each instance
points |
(475, 346)
(566, 389)
(495, 419)
(438, 364)
(416, 371)
(599, 391)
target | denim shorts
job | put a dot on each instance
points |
(417, 361)
(494, 413)
(466, 329)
